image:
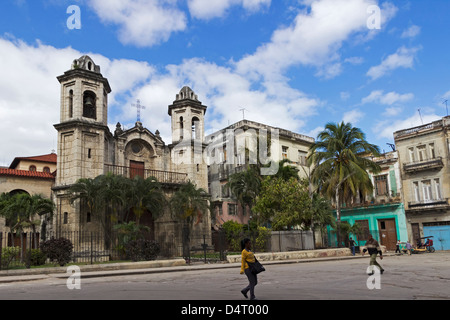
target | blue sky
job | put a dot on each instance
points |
(295, 64)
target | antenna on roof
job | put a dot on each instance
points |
(243, 113)
(446, 107)
(391, 145)
(420, 115)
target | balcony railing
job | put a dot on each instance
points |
(429, 164)
(434, 204)
(161, 176)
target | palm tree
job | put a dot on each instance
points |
(114, 193)
(23, 211)
(340, 157)
(245, 186)
(91, 191)
(190, 202)
(286, 171)
(145, 195)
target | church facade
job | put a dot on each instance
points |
(87, 148)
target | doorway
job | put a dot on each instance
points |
(137, 169)
(388, 233)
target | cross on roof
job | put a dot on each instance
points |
(139, 108)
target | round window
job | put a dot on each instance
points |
(136, 147)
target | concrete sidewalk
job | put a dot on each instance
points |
(173, 265)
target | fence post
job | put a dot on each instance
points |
(92, 251)
(204, 246)
(1, 244)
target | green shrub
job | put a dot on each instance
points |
(8, 255)
(58, 250)
(35, 257)
(142, 250)
(233, 231)
(262, 238)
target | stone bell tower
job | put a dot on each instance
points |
(82, 130)
(188, 135)
(83, 138)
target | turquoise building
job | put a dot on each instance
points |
(383, 215)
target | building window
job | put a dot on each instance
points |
(302, 157)
(66, 218)
(70, 103)
(422, 153)
(381, 187)
(426, 189)
(32, 168)
(432, 153)
(181, 128)
(46, 170)
(225, 191)
(437, 186)
(284, 152)
(88, 217)
(195, 128)
(412, 158)
(232, 209)
(89, 105)
(364, 227)
(416, 191)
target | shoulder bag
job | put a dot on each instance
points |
(256, 267)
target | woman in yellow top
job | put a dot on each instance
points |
(248, 255)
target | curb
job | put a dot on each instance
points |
(139, 268)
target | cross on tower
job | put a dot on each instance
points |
(139, 108)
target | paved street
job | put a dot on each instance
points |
(423, 276)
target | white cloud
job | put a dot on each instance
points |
(143, 23)
(392, 111)
(30, 93)
(353, 116)
(209, 9)
(411, 32)
(225, 92)
(403, 58)
(313, 39)
(389, 98)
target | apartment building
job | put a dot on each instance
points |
(424, 155)
(231, 149)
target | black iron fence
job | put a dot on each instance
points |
(27, 249)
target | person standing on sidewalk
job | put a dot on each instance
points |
(248, 256)
(352, 245)
(374, 249)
